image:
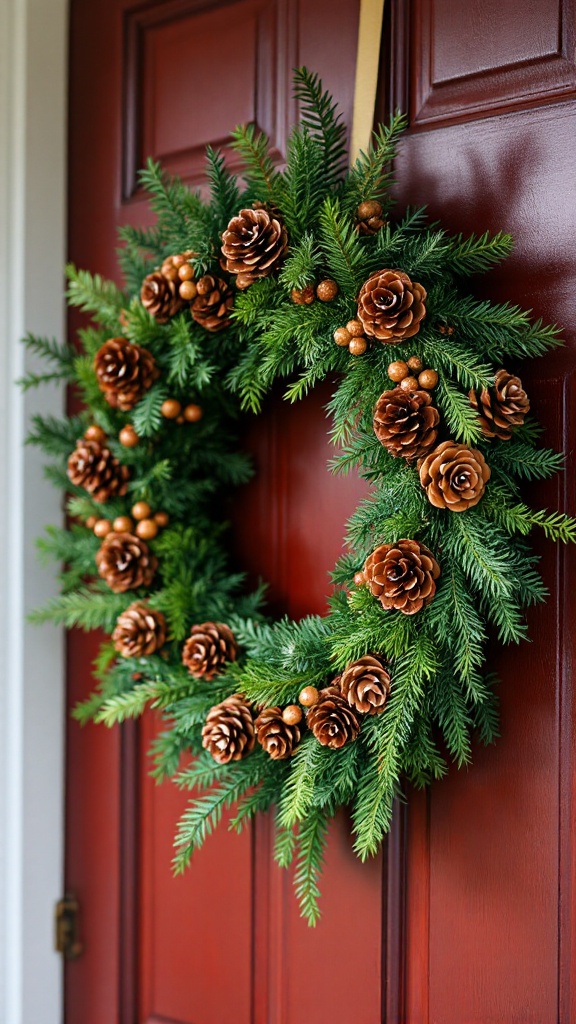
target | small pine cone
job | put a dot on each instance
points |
(124, 372)
(125, 562)
(212, 305)
(332, 720)
(454, 476)
(365, 684)
(277, 737)
(254, 244)
(160, 293)
(369, 217)
(402, 576)
(208, 648)
(139, 631)
(93, 467)
(502, 407)
(405, 422)
(228, 734)
(391, 306)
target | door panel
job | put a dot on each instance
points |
(489, 851)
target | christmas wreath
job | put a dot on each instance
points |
(298, 274)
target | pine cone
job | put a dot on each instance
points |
(391, 306)
(139, 631)
(208, 648)
(365, 684)
(502, 407)
(213, 303)
(332, 720)
(405, 422)
(402, 576)
(454, 476)
(93, 467)
(369, 217)
(254, 244)
(124, 372)
(229, 730)
(160, 296)
(125, 562)
(277, 737)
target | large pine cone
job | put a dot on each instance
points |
(125, 562)
(402, 576)
(365, 684)
(502, 407)
(212, 305)
(254, 244)
(124, 372)
(93, 467)
(160, 296)
(277, 737)
(405, 422)
(139, 631)
(332, 720)
(454, 476)
(229, 730)
(208, 648)
(391, 306)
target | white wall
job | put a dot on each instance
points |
(33, 35)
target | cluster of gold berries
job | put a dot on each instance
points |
(411, 375)
(147, 522)
(178, 269)
(172, 409)
(352, 337)
(325, 290)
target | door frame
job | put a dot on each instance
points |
(33, 130)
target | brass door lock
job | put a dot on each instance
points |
(66, 921)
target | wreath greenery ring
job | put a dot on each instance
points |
(298, 274)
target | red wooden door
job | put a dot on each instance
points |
(489, 853)
(466, 919)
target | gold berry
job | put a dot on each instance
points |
(409, 384)
(398, 370)
(415, 364)
(193, 413)
(102, 527)
(359, 578)
(342, 336)
(162, 518)
(428, 379)
(303, 296)
(128, 437)
(357, 346)
(123, 524)
(147, 529)
(188, 291)
(355, 329)
(327, 290)
(91, 522)
(369, 208)
(308, 696)
(171, 408)
(292, 714)
(95, 433)
(185, 272)
(180, 419)
(141, 510)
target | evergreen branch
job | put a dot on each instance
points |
(309, 859)
(477, 254)
(92, 294)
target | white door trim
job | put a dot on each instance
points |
(33, 76)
